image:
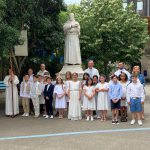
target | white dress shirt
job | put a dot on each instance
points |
(41, 73)
(36, 89)
(92, 72)
(135, 90)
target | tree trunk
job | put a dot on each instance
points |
(18, 62)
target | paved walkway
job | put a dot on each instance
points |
(36, 134)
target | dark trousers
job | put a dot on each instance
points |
(49, 107)
(41, 108)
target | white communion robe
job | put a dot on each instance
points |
(72, 53)
(11, 105)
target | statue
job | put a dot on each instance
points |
(72, 55)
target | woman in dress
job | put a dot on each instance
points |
(12, 103)
(102, 100)
(60, 93)
(75, 98)
(89, 99)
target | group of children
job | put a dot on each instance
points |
(92, 95)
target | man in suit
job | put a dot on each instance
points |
(48, 96)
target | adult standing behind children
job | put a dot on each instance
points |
(42, 70)
(121, 69)
(91, 70)
(30, 73)
(12, 104)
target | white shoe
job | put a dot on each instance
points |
(88, 118)
(51, 117)
(46, 117)
(36, 116)
(132, 122)
(140, 122)
(27, 115)
(92, 118)
(98, 117)
(24, 115)
(113, 122)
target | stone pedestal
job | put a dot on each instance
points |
(72, 68)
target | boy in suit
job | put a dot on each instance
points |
(35, 91)
(48, 96)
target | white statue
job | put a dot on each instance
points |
(72, 55)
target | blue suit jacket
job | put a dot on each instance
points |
(49, 92)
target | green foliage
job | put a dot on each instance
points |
(8, 34)
(41, 18)
(110, 33)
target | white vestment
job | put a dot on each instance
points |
(11, 105)
(72, 53)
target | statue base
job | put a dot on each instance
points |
(72, 68)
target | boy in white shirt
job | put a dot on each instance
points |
(135, 98)
(35, 92)
(25, 94)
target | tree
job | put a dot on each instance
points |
(44, 30)
(110, 33)
(9, 37)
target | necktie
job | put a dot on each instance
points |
(91, 73)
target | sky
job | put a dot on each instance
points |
(139, 4)
(72, 1)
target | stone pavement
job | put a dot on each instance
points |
(40, 134)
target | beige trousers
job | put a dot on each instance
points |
(25, 104)
(36, 104)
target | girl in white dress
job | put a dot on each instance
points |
(89, 99)
(123, 79)
(103, 100)
(60, 93)
(83, 82)
(75, 98)
(12, 102)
